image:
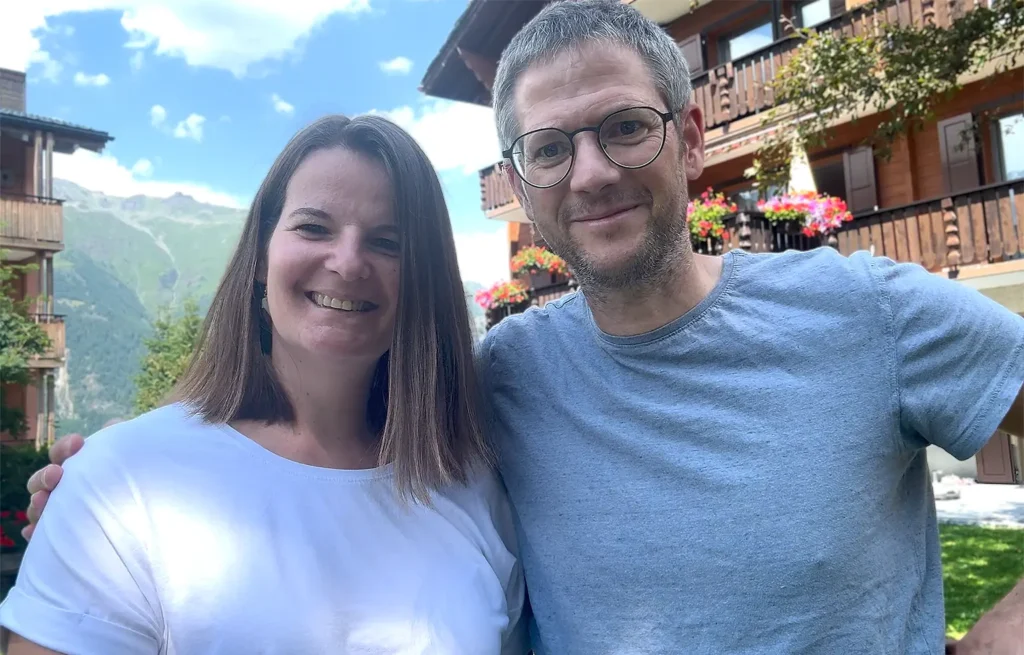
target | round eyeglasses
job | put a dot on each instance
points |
(629, 138)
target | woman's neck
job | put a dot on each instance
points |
(331, 428)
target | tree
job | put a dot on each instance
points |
(906, 70)
(168, 353)
(21, 338)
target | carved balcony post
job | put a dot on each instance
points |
(928, 12)
(952, 238)
(743, 219)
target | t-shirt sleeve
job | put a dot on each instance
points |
(958, 357)
(84, 586)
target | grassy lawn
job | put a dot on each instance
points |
(980, 566)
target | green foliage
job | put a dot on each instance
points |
(979, 566)
(907, 69)
(17, 463)
(20, 337)
(168, 353)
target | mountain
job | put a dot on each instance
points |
(124, 260)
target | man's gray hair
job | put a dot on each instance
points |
(568, 25)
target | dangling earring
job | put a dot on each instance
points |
(264, 303)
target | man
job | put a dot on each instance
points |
(715, 454)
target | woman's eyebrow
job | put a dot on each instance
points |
(311, 212)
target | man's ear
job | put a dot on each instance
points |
(691, 126)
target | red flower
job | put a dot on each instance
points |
(4, 514)
(21, 517)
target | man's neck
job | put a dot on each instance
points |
(632, 311)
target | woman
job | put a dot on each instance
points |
(321, 484)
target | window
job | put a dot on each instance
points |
(747, 41)
(814, 11)
(1010, 146)
(830, 178)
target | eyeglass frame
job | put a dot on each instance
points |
(665, 117)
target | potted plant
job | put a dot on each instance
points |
(813, 214)
(542, 265)
(503, 299)
(706, 217)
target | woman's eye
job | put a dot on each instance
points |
(387, 244)
(312, 228)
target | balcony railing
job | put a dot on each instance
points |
(742, 87)
(31, 221)
(495, 191)
(53, 325)
(980, 226)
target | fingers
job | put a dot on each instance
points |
(26, 532)
(65, 447)
(45, 479)
(35, 506)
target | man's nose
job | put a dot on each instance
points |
(591, 171)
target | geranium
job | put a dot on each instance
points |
(502, 294)
(820, 214)
(705, 214)
(536, 259)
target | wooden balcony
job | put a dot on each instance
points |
(53, 325)
(742, 87)
(31, 223)
(981, 226)
(496, 197)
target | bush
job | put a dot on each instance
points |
(17, 463)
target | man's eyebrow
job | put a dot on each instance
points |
(309, 211)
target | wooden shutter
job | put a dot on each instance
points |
(959, 154)
(995, 460)
(836, 7)
(693, 53)
(859, 170)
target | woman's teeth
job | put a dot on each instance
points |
(343, 305)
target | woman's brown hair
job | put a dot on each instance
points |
(424, 397)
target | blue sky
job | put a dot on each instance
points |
(201, 95)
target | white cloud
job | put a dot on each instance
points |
(280, 106)
(396, 66)
(483, 256)
(231, 35)
(157, 115)
(455, 135)
(83, 79)
(51, 68)
(143, 168)
(137, 60)
(190, 128)
(104, 173)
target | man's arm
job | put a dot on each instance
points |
(19, 646)
(1000, 631)
(1013, 422)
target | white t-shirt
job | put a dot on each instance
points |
(168, 535)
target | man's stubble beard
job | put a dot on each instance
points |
(663, 253)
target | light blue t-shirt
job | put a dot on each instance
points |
(750, 478)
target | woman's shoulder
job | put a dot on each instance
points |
(152, 436)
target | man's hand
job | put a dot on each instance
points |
(1000, 631)
(45, 479)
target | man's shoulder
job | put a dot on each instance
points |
(538, 323)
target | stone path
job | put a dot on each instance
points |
(983, 504)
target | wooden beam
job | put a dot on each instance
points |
(482, 67)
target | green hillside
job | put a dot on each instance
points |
(124, 259)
